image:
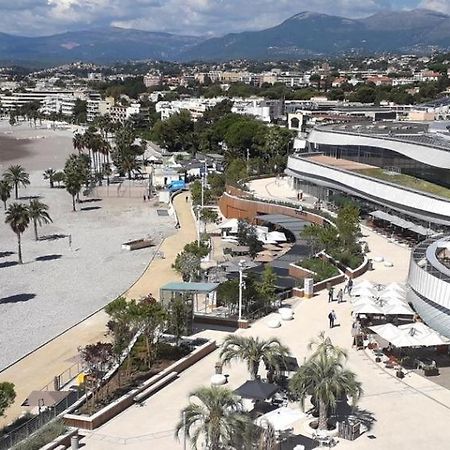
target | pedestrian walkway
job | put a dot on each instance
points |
(394, 409)
(38, 369)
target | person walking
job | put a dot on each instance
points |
(350, 285)
(331, 318)
(330, 294)
(340, 296)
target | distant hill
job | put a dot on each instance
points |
(97, 45)
(307, 34)
(303, 35)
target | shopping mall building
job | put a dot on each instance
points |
(399, 170)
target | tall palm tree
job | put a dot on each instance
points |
(18, 218)
(39, 215)
(17, 176)
(323, 345)
(49, 175)
(214, 415)
(324, 378)
(252, 351)
(73, 185)
(5, 191)
(78, 142)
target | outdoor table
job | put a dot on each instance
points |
(423, 363)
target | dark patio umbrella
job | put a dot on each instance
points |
(256, 390)
(289, 364)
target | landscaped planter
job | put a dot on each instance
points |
(152, 385)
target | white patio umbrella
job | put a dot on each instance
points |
(277, 236)
(392, 295)
(395, 287)
(369, 308)
(397, 309)
(364, 284)
(364, 292)
(363, 300)
(281, 419)
(386, 331)
(424, 334)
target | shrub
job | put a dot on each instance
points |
(322, 269)
(43, 436)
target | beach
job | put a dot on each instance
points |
(78, 265)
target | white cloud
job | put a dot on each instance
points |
(436, 5)
(215, 17)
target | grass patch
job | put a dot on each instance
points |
(407, 181)
(44, 436)
(323, 269)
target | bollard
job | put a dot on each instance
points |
(75, 442)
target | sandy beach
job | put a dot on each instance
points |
(60, 284)
(36, 148)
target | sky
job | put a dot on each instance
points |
(190, 17)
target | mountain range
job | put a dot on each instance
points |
(304, 35)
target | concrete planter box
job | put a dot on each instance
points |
(156, 382)
(137, 244)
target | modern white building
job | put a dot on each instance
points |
(429, 283)
(367, 161)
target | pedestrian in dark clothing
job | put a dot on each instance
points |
(350, 285)
(187, 198)
(331, 318)
(330, 294)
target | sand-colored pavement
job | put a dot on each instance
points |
(38, 368)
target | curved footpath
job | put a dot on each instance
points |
(38, 368)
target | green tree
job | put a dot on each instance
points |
(5, 191)
(209, 215)
(149, 316)
(79, 114)
(228, 294)
(187, 265)
(39, 215)
(253, 351)
(18, 218)
(266, 287)
(213, 416)
(16, 176)
(177, 317)
(49, 175)
(7, 396)
(324, 378)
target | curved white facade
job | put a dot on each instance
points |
(424, 153)
(412, 202)
(430, 289)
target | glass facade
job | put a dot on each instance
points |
(385, 158)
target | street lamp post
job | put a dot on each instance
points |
(241, 286)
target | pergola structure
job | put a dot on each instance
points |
(202, 296)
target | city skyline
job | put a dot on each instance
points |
(189, 17)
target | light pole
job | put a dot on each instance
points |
(241, 286)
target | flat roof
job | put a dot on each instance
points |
(340, 163)
(287, 222)
(179, 286)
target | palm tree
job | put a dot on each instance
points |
(324, 345)
(214, 416)
(78, 142)
(252, 351)
(18, 217)
(39, 215)
(5, 191)
(325, 379)
(17, 176)
(73, 186)
(49, 175)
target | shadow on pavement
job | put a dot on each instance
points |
(5, 254)
(6, 264)
(48, 257)
(53, 237)
(90, 208)
(17, 298)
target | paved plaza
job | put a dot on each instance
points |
(404, 414)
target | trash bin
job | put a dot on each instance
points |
(218, 367)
